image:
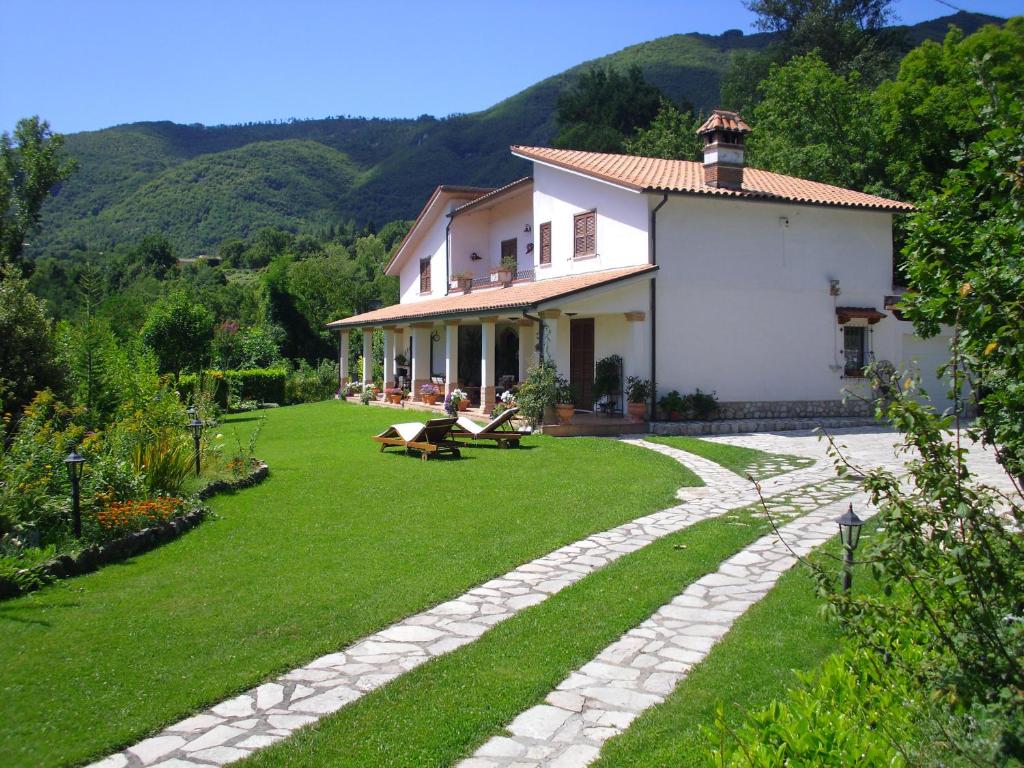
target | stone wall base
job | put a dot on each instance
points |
(793, 409)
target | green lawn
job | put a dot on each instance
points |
(339, 541)
(743, 461)
(753, 664)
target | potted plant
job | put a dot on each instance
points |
(394, 395)
(464, 280)
(506, 401)
(672, 405)
(456, 401)
(606, 376)
(429, 392)
(703, 404)
(565, 399)
(504, 272)
(366, 397)
(638, 392)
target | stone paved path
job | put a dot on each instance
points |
(639, 670)
(259, 717)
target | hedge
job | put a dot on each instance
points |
(265, 385)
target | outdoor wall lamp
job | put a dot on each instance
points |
(75, 464)
(849, 535)
(474, 256)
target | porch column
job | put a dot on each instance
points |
(638, 361)
(389, 355)
(420, 357)
(487, 350)
(451, 355)
(367, 356)
(556, 339)
(342, 358)
(527, 342)
(400, 349)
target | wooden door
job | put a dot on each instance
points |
(581, 361)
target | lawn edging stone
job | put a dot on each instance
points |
(90, 558)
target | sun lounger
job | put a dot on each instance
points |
(499, 429)
(429, 439)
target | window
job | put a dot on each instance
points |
(510, 253)
(854, 349)
(545, 243)
(583, 234)
(424, 275)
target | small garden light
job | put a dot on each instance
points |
(849, 535)
(196, 427)
(75, 464)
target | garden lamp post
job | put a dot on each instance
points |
(75, 464)
(196, 427)
(849, 535)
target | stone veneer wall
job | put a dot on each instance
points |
(793, 409)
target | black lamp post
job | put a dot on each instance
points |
(196, 427)
(849, 534)
(75, 464)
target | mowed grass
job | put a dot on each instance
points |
(445, 709)
(340, 541)
(753, 664)
(737, 458)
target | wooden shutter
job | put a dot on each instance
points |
(584, 234)
(424, 275)
(545, 243)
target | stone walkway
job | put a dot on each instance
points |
(640, 670)
(259, 717)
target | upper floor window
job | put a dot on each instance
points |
(510, 253)
(583, 234)
(424, 275)
(545, 243)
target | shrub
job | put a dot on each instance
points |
(539, 392)
(307, 384)
(672, 403)
(701, 405)
(264, 385)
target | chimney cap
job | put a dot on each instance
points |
(723, 120)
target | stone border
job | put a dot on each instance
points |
(93, 556)
(737, 426)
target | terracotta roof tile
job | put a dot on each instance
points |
(723, 119)
(651, 174)
(516, 296)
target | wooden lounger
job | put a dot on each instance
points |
(429, 439)
(499, 429)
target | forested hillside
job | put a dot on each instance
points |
(200, 185)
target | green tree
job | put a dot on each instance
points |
(155, 254)
(27, 362)
(965, 261)
(932, 107)
(816, 124)
(603, 108)
(32, 163)
(179, 332)
(672, 135)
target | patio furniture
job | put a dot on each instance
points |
(429, 439)
(499, 429)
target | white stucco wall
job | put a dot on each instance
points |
(743, 305)
(620, 222)
(482, 231)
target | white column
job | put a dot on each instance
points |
(342, 358)
(487, 362)
(420, 357)
(451, 355)
(367, 356)
(527, 343)
(389, 357)
(556, 339)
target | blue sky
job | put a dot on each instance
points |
(90, 64)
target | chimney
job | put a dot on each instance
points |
(723, 134)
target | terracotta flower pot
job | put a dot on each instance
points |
(565, 411)
(463, 405)
(637, 411)
(429, 399)
(396, 399)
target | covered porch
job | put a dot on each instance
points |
(484, 342)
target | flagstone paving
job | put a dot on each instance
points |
(270, 712)
(640, 669)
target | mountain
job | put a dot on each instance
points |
(200, 185)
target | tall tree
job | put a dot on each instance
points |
(605, 107)
(32, 163)
(671, 135)
(179, 332)
(26, 354)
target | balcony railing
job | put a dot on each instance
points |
(521, 275)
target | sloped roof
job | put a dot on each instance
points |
(651, 174)
(494, 194)
(724, 120)
(516, 296)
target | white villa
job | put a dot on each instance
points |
(769, 290)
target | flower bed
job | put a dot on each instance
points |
(146, 524)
